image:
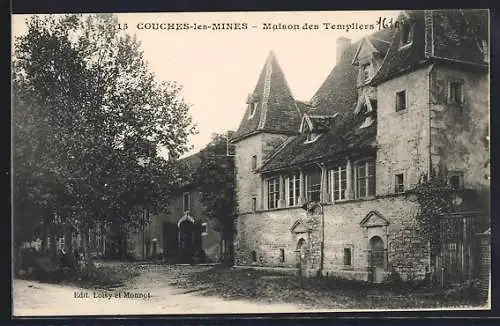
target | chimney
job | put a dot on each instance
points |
(342, 44)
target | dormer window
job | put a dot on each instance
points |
(311, 137)
(406, 34)
(366, 72)
(252, 109)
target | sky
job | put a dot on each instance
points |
(219, 68)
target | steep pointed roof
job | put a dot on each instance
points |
(337, 93)
(276, 110)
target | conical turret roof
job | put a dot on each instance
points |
(271, 107)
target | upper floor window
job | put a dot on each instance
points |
(314, 186)
(400, 101)
(252, 109)
(293, 189)
(254, 162)
(366, 72)
(204, 228)
(347, 256)
(365, 179)
(312, 137)
(455, 180)
(339, 182)
(185, 202)
(273, 193)
(406, 33)
(455, 92)
(399, 185)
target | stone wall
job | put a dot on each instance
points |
(403, 136)
(266, 232)
(459, 131)
(173, 211)
(248, 182)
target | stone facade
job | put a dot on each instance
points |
(353, 218)
(266, 232)
(140, 242)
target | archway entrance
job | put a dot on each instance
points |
(378, 259)
(189, 241)
(301, 256)
(186, 241)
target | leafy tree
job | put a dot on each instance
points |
(216, 176)
(89, 118)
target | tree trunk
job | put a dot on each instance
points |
(53, 236)
(43, 246)
(88, 264)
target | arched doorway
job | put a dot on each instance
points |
(186, 241)
(378, 259)
(189, 241)
(301, 256)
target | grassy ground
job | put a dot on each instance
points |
(271, 288)
(316, 293)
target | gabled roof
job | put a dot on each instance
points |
(379, 41)
(447, 34)
(277, 110)
(343, 138)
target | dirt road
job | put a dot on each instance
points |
(149, 293)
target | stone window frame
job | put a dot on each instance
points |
(274, 196)
(350, 248)
(397, 101)
(254, 203)
(460, 84)
(399, 185)
(356, 164)
(307, 188)
(333, 182)
(295, 190)
(282, 256)
(185, 207)
(253, 164)
(253, 256)
(460, 175)
(204, 228)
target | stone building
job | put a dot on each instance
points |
(322, 186)
(182, 233)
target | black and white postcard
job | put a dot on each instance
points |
(250, 162)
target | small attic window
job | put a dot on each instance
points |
(366, 72)
(311, 137)
(406, 34)
(253, 108)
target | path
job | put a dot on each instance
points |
(152, 287)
